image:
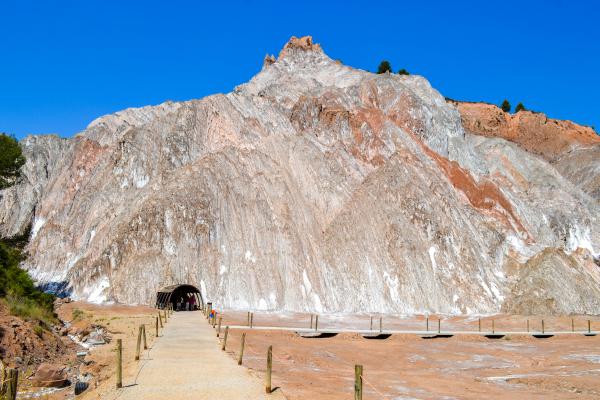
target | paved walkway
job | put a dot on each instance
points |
(187, 363)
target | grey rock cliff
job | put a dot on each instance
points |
(314, 186)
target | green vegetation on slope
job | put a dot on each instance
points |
(17, 290)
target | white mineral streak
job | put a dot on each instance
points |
(314, 186)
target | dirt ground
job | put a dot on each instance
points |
(121, 322)
(409, 367)
(400, 367)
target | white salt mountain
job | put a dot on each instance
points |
(315, 186)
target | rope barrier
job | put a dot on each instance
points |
(362, 377)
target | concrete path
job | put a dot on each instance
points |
(187, 363)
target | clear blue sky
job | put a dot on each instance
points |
(62, 64)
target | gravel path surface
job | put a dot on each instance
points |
(187, 363)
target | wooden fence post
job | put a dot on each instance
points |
(427, 323)
(251, 319)
(269, 369)
(493, 327)
(160, 319)
(543, 330)
(219, 327)
(439, 325)
(527, 326)
(589, 326)
(572, 325)
(371, 326)
(119, 363)
(156, 326)
(145, 340)
(139, 343)
(13, 380)
(358, 371)
(317, 322)
(225, 338)
(480, 324)
(380, 324)
(311, 320)
(242, 349)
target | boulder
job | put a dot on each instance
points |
(50, 375)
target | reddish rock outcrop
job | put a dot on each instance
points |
(535, 132)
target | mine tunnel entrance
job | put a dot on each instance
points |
(180, 297)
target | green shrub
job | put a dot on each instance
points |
(77, 314)
(403, 72)
(384, 67)
(11, 160)
(505, 106)
(38, 330)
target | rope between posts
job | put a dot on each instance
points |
(362, 377)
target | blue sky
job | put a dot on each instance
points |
(63, 64)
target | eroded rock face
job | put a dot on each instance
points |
(535, 132)
(314, 186)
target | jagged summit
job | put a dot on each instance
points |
(314, 186)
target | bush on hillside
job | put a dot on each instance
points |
(403, 72)
(384, 67)
(505, 106)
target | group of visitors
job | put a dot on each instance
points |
(187, 303)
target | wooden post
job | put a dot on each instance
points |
(248, 318)
(572, 325)
(219, 327)
(371, 326)
(269, 368)
(493, 327)
(527, 326)
(311, 320)
(156, 326)
(119, 363)
(358, 371)
(225, 338)
(480, 324)
(145, 340)
(543, 327)
(427, 323)
(589, 326)
(439, 325)
(380, 324)
(251, 319)
(160, 319)
(241, 356)
(317, 322)
(139, 344)
(11, 387)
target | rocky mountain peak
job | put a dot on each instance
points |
(314, 186)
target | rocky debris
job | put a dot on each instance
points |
(316, 186)
(582, 167)
(50, 375)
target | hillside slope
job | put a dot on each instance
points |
(314, 186)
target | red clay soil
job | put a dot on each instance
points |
(408, 367)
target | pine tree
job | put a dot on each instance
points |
(505, 106)
(11, 160)
(403, 72)
(384, 67)
(520, 107)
